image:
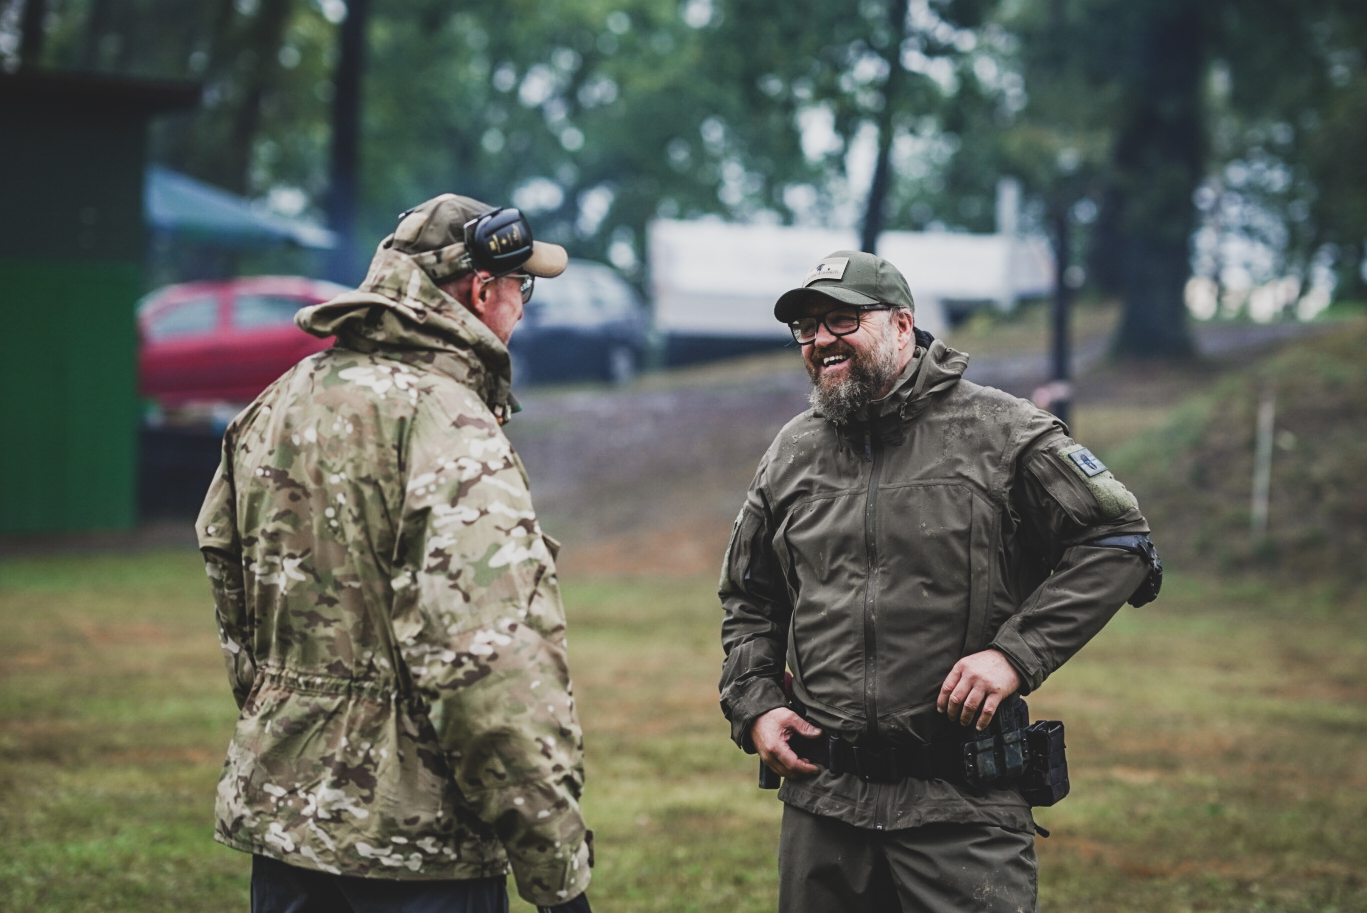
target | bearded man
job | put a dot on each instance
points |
(919, 552)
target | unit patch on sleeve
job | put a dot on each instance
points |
(1088, 463)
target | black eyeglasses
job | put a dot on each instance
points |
(839, 322)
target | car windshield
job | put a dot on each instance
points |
(250, 311)
(188, 318)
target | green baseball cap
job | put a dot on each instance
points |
(846, 277)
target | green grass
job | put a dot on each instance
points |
(1218, 740)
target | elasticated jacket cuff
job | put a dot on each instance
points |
(1010, 644)
(549, 881)
(743, 703)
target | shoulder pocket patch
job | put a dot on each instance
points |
(1080, 483)
(1111, 496)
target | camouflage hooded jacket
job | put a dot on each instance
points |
(389, 610)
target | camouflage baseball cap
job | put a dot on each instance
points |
(434, 235)
(846, 277)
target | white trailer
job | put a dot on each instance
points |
(714, 283)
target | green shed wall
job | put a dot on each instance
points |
(71, 240)
(69, 410)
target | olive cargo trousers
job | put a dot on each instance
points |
(828, 866)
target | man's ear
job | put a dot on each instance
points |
(461, 289)
(906, 327)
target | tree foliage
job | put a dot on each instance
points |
(1130, 123)
(1210, 113)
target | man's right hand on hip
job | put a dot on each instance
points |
(770, 735)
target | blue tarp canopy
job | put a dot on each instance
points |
(180, 206)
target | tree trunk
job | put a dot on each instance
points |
(875, 205)
(33, 26)
(264, 37)
(1349, 284)
(1158, 164)
(346, 141)
(97, 26)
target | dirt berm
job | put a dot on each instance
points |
(646, 481)
(1194, 476)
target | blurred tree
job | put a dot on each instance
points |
(1151, 107)
(344, 265)
(597, 117)
(33, 28)
(239, 48)
(812, 82)
(1333, 154)
(1114, 117)
(1330, 118)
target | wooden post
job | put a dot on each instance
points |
(1061, 375)
(1262, 465)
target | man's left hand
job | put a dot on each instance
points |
(976, 686)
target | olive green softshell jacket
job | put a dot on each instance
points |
(389, 610)
(870, 557)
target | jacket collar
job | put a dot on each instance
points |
(398, 307)
(935, 367)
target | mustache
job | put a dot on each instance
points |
(839, 347)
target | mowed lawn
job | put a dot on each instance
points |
(1218, 742)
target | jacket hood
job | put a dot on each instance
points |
(936, 367)
(398, 306)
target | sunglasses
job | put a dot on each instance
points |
(526, 282)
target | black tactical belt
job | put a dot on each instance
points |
(927, 761)
(1013, 752)
(944, 759)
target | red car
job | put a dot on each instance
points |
(224, 341)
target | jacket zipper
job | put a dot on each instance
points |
(871, 587)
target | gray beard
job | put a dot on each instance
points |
(870, 373)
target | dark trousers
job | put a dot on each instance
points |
(281, 888)
(827, 866)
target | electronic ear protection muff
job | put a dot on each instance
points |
(498, 241)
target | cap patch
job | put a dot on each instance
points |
(830, 268)
(1086, 462)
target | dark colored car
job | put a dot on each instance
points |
(586, 324)
(224, 341)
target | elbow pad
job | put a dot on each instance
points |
(1143, 546)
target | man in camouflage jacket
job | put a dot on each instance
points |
(917, 550)
(388, 604)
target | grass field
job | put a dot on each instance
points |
(1218, 740)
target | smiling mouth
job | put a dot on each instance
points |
(831, 361)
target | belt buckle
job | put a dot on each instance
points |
(875, 766)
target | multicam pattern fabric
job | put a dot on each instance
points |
(389, 611)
